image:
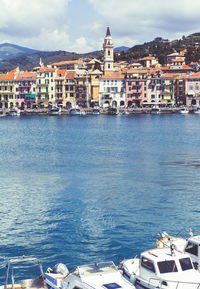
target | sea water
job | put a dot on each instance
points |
(86, 189)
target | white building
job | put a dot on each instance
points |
(112, 90)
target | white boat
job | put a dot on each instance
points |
(23, 263)
(55, 111)
(75, 111)
(191, 245)
(184, 110)
(83, 112)
(197, 110)
(96, 111)
(155, 109)
(14, 112)
(162, 268)
(96, 276)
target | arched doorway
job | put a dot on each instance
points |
(114, 103)
(28, 105)
(129, 103)
(68, 105)
(194, 102)
(122, 103)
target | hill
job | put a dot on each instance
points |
(28, 61)
(9, 51)
(160, 48)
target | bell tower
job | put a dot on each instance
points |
(108, 50)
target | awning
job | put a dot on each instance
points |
(32, 95)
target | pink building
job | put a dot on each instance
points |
(25, 89)
(192, 89)
(136, 87)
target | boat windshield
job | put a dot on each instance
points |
(186, 264)
(167, 266)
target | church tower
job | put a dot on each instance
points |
(108, 50)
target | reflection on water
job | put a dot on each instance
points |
(81, 190)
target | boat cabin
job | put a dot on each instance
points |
(96, 276)
(167, 267)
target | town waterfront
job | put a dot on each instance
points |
(86, 189)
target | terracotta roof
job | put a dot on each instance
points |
(194, 63)
(178, 59)
(9, 76)
(46, 69)
(67, 62)
(137, 71)
(194, 75)
(113, 75)
(60, 72)
(169, 75)
(26, 75)
(183, 52)
(70, 75)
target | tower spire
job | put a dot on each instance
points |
(108, 31)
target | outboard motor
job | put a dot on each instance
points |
(60, 268)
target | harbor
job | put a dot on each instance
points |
(95, 189)
(93, 111)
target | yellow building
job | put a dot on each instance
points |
(168, 89)
(70, 89)
(45, 83)
(7, 89)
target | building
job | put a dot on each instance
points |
(70, 90)
(192, 89)
(45, 82)
(25, 89)
(112, 90)
(7, 89)
(136, 87)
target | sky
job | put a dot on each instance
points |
(80, 25)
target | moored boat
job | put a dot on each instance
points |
(162, 268)
(197, 110)
(14, 112)
(184, 110)
(23, 263)
(191, 245)
(96, 111)
(75, 111)
(55, 111)
(155, 109)
(94, 276)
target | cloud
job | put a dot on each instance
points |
(141, 19)
(30, 19)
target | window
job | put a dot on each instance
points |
(191, 87)
(112, 286)
(192, 249)
(185, 264)
(147, 264)
(108, 52)
(167, 266)
(108, 65)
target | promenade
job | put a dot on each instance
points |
(89, 111)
